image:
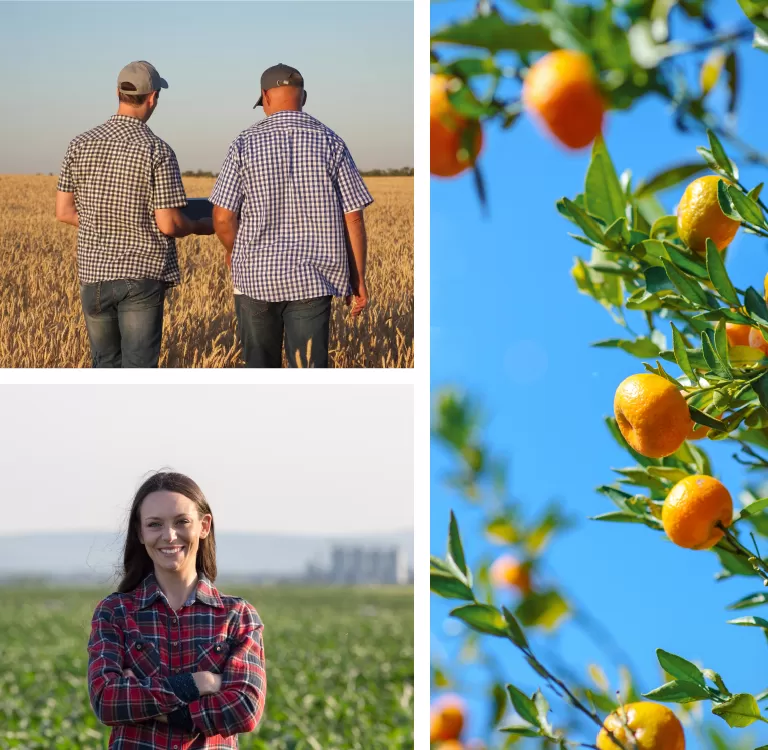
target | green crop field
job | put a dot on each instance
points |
(339, 668)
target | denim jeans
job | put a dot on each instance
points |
(305, 324)
(124, 319)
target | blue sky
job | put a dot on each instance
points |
(356, 58)
(508, 326)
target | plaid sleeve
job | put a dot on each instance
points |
(228, 190)
(66, 182)
(167, 187)
(116, 699)
(352, 192)
(239, 705)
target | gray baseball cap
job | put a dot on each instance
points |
(140, 77)
(279, 75)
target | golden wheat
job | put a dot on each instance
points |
(41, 321)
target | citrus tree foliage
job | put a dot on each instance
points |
(632, 44)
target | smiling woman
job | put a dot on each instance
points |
(172, 662)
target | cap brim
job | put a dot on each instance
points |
(258, 103)
(163, 83)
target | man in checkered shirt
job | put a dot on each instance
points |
(120, 186)
(288, 208)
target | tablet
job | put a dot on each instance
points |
(198, 208)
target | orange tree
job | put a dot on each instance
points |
(705, 372)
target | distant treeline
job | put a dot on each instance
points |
(402, 172)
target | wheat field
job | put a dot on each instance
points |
(41, 322)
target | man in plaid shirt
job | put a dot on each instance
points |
(288, 208)
(121, 187)
(141, 658)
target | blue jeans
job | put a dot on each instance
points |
(124, 319)
(305, 323)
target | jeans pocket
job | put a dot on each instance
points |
(90, 296)
(145, 293)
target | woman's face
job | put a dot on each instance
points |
(171, 530)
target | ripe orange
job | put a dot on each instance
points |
(756, 340)
(506, 572)
(447, 718)
(651, 414)
(448, 131)
(562, 92)
(699, 216)
(738, 335)
(692, 508)
(653, 727)
(765, 287)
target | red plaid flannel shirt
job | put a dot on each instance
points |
(140, 631)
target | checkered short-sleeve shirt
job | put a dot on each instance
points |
(120, 172)
(291, 179)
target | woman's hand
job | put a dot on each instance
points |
(207, 682)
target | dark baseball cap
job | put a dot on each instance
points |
(279, 75)
(140, 77)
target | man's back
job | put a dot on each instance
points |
(120, 172)
(292, 179)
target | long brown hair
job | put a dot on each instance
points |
(137, 564)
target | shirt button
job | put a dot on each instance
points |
(175, 620)
(175, 643)
(218, 648)
(138, 646)
(176, 669)
(175, 747)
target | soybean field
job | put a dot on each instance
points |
(339, 668)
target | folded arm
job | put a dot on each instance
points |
(118, 699)
(239, 705)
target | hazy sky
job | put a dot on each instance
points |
(299, 459)
(61, 61)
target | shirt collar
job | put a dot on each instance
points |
(205, 592)
(128, 120)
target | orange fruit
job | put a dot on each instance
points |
(691, 510)
(561, 91)
(756, 340)
(450, 745)
(765, 287)
(506, 572)
(738, 334)
(446, 718)
(699, 216)
(652, 726)
(448, 132)
(652, 415)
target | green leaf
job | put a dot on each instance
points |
(754, 622)
(740, 711)
(756, 306)
(692, 264)
(523, 705)
(641, 347)
(516, 634)
(618, 516)
(726, 204)
(701, 418)
(493, 33)
(714, 362)
(668, 178)
(449, 587)
(543, 609)
(522, 731)
(656, 280)
(482, 617)
(680, 668)
(718, 152)
(754, 508)
(719, 276)
(666, 226)
(678, 691)
(681, 355)
(745, 206)
(688, 288)
(760, 387)
(588, 225)
(456, 551)
(751, 600)
(721, 345)
(603, 195)
(756, 12)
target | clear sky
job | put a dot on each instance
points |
(319, 460)
(61, 61)
(509, 326)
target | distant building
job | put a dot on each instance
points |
(355, 565)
